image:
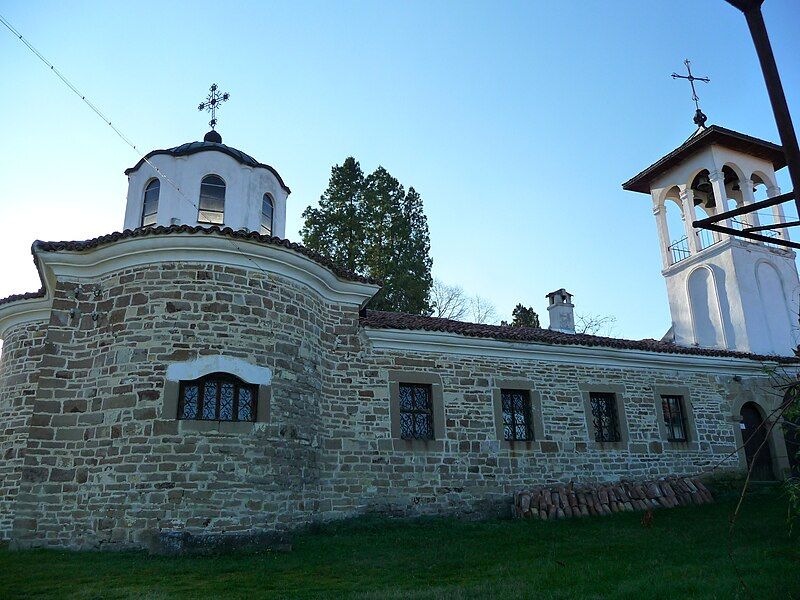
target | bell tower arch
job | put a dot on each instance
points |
(724, 292)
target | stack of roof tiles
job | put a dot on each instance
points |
(562, 501)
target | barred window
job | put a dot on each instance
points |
(416, 411)
(604, 417)
(150, 204)
(516, 415)
(212, 200)
(672, 406)
(218, 397)
(267, 209)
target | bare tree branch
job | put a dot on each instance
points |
(449, 301)
(482, 310)
(594, 324)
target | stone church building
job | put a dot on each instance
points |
(199, 373)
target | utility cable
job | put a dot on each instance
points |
(114, 128)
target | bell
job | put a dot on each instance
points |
(703, 184)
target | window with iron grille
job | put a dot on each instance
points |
(672, 407)
(218, 397)
(416, 411)
(604, 417)
(516, 415)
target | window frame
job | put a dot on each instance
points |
(670, 420)
(201, 210)
(143, 215)
(220, 378)
(540, 441)
(527, 421)
(268, 197)
(605, 433)
(427, 411)
(618, 391)
(395, 442)
(692, 442)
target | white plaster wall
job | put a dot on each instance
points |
(752, 304)
(245, 189)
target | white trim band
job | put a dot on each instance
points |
(599, 356)
(205, 365)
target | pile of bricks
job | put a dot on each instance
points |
(562, 501)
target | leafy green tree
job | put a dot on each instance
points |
(336, 228)
(524, 316)
(371, 226)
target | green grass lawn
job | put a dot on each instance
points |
(683, 555)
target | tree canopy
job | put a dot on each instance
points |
(373, 227)
(524, 316)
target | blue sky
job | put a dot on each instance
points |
(517, 122)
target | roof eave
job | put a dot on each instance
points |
(712, 135)
(222, 148)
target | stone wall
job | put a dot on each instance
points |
(472, 470)
(104, 466)
(19, 367)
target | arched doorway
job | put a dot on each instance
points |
(756, 450)
(791, 428)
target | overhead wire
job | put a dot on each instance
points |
(115, 129)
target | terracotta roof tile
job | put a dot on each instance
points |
(77, 246)
(711, 135)
(392, 320)
(25, 296)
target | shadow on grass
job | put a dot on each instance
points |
(683, 555)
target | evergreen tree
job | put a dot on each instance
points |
(336, 228)
(371, 226)
(397, 245)
(524, 316)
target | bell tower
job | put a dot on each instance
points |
(724, 292)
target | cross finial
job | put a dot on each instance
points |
(699, 118)
(212, 103)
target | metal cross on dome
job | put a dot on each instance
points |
(212, 103)
(699, 117)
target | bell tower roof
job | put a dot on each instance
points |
(703, 138)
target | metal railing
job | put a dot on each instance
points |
(679, 250)
(705, 239)
(741, 225)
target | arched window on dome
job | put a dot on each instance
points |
(212, 200)
(267, 210)
(150, 204)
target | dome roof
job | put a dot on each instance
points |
(195, 147)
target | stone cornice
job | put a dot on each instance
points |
(27, 310)
(454, 344)
(205, 249)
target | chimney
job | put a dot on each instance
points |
(560, 308)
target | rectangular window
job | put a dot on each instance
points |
(604, 417)
(672, 406)
(416, 411)
(516, 415)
